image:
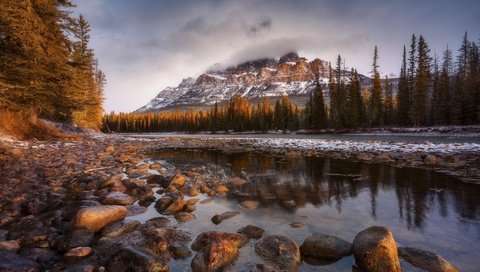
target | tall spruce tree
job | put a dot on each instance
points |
(389, 112)
(411, 74)
(375, 107)
(422, 84)
(403, 95)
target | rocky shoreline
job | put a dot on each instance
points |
(65, 206)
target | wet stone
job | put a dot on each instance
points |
(327, 247)
(135, 259)
(118, 198)
(252, 232)
(119, 228)
(218, 218)
(135, 210)
(78, 253)
(280, 250)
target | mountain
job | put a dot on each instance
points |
(290, 75)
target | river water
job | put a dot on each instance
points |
(423, 209)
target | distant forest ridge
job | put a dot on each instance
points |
(431, 90)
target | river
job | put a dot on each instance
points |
(424, 209)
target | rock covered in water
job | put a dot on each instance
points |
(280, 250)
(119, 228)
(375, 250)
(323, 246)
(97, 217)
(425, 260)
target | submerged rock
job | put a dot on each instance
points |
(425, 260)
(281, 250)
(375, 250)
(97, 217)
(323, 246)
(119, 228)
(218, 218)
(206, 238)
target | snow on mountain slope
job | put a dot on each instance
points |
(291, 75)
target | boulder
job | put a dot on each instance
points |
(209, 237)
(135, 259)
(323, 246)
(97, 217)
(119, 228)
(185, 217)
(118, 198)
(280, 250)
(214, 256)
(78, 253)
(218, 218)
(179, 251)
(252, 232)
(425, 260)
(375, 250)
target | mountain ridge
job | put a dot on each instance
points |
(290, 75)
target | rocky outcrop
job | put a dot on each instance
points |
(375, 250)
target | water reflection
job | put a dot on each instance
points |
(295, 182)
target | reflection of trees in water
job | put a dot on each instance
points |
(292, 183)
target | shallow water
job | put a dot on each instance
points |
(423, 209)
(412, 138)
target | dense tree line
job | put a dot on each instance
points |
(428, 93)
(46, 65)
(238, 115)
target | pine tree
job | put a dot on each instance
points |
(389, 108)
(355, 103)
(411, 74)
(375, 109)
(403, 93)
(317, 107)
(422, 83)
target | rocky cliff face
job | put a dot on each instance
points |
(290, 75)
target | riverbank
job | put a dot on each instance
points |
(50, 190)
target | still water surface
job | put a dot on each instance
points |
(423, 209)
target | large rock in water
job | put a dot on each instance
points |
(280, 250)
(135, 259)
(214, 256)
(216, 250)
(97, 217)
(375, 250)
(323, 246)
(425, 260)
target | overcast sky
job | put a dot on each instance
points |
(144, 46)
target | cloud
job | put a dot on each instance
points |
(144, 46)
(264, 24)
